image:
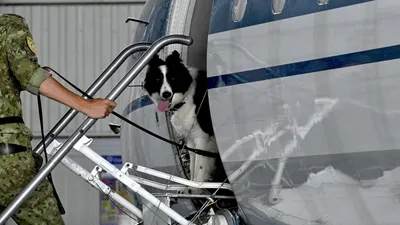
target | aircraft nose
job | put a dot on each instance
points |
(166, 94)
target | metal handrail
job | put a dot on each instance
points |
(88, 123)
(91, 91)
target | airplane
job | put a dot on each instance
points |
(302, 96)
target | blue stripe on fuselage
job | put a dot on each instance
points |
(292, 69)
(137, 104)
(260, 11)
(310, 66)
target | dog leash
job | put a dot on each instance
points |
(181, 145)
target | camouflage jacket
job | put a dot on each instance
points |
(19, 71)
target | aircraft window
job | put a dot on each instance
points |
(277, 6)
(238, 10)
(323, 2)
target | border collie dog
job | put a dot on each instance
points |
(174, 87)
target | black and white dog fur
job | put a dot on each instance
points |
(173, 86)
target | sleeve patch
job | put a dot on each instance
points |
(31, 44)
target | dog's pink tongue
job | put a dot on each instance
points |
(162, 106)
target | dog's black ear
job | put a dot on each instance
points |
(175, 57)
(176, 54)
(155, 60)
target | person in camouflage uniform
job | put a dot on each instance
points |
(19, 71)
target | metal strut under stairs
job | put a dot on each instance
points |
(130, 181)
(78, 140)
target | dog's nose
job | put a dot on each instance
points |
(166, 94)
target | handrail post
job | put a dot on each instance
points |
(88, 123)
(91, 91)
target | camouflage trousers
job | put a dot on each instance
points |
(40, 208)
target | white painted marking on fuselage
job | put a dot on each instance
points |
(165, 86)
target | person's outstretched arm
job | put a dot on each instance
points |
(21, 55)
(96, 108)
